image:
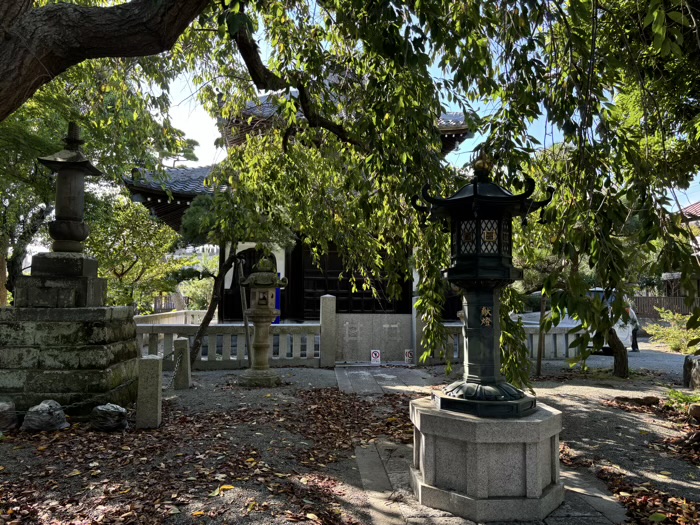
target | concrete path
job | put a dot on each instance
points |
(384, 467)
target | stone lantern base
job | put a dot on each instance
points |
(487, 469)
(261, 378)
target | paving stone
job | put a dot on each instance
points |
(574, 505)
(578, 520)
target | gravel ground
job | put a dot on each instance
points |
(218, 433)
(612, 437)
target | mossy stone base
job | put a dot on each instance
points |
(70, 355)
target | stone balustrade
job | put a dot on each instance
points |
(224, 346)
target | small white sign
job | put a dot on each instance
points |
(375, 357)
(408, 356)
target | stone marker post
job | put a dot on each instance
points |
(329, 332)
(263, 283)
(183, 372)
(149, 403)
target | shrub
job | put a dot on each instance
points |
(674, 334)
(681, 401)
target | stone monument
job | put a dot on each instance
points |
(59, 341)
(263, 283)
(483, 449)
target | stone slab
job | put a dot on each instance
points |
(63, 265)
(358, 334)
(84, 315)
(488, 510)
(376, 484)
(60, 292)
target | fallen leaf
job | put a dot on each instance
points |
(657, 517)
(224, 488)
(73, 474)
(312, 516)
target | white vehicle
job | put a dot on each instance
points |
(622, 329)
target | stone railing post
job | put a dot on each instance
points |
(149, 403)
(329, 329)
(417, 336)
(183, 374)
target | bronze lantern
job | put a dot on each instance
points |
(480, 218)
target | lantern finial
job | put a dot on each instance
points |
(482, 167)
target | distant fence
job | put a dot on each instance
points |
(645, 306)
(178, 317)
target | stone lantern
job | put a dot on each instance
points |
(480, 216)
(263, 283)
(483, 449)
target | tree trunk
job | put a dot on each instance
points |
(3, 280)
(541, 340)
(37, 44)
(19, 249)
(215, 299)
(620, 363)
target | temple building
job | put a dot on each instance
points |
(300, 301)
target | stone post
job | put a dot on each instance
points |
(183, 373)
(149, 403)
(418, 326)
(329, 332)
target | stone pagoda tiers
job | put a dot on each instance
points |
(60, 341)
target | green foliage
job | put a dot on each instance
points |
(674, 333)
(133, 249)
(681, 400)
(198, 291)
(199, 288)
(515, 357)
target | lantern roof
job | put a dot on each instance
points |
(71, 156)
(481, 195)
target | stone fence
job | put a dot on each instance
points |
(224, 346)
(336, 338)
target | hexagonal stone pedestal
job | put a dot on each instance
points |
(68, 355)
(487, 469)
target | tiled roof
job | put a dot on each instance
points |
(452, 125)
(692, 212)
(183, 181)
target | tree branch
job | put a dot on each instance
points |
(10, 10)
(39, 44)
(266, 80)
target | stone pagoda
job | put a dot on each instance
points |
(60, 341)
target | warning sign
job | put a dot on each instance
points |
(408, 356)
(375, 357)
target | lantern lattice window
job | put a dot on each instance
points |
(489, 237)
(506, 239)
(468, 236)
